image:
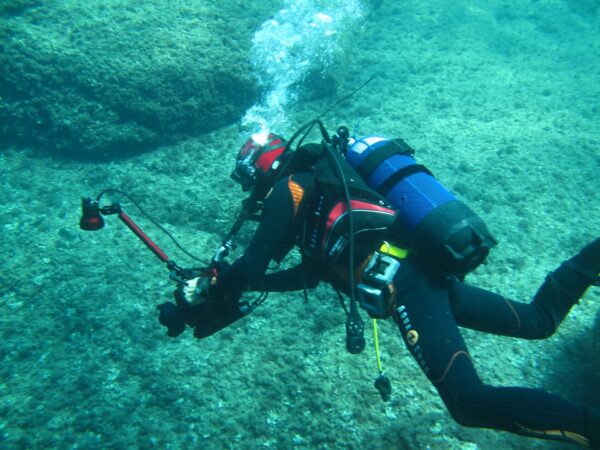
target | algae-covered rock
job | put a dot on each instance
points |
(16, 6)
(105, 78)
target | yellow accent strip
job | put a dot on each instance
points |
(567, 435)
(392, 250)
(377, 354)
(297, 193)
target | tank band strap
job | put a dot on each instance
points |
(398, 176)
(391, 148)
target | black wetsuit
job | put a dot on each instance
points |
(428, 311)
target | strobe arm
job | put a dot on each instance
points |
(91, 220)
(115, 208)
(143, 236)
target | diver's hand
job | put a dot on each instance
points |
(196, 290)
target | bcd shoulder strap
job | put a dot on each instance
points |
(390, 148)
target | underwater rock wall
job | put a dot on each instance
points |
(100, 79)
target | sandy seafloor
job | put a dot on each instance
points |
(501, 103)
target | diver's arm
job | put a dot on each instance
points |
(293, 279)
(274, 230)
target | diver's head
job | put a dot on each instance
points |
(258, 160)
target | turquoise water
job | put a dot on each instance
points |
(500, 101)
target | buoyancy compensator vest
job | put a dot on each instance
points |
(327, 232)
(431, 222)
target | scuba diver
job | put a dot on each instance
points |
(380, 229)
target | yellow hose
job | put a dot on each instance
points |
(377, 355)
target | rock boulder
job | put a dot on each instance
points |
(104, 79)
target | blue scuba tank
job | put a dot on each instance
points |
(432, 222)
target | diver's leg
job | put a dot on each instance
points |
(567, 284)
(485, 311)
(430, 332)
